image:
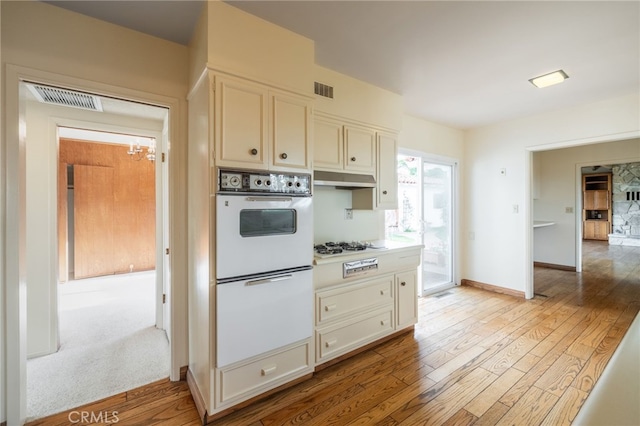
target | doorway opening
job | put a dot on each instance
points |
(102, 329)
(583, 196)
(426, 214)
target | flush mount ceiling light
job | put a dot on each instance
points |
(549, 79)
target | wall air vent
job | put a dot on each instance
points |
(64, 97)
(323, 90)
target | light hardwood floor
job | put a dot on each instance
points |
(475, 357)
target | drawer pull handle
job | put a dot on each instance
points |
(268, 370)
(384, 192)
(353, 158)
(383, 292)
(403, 283)
(283, 155)
(329, 308)
(384, 322)
(330, 343)
(254, 151)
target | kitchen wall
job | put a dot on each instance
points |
(501, 248)
(69, 48)
(241, 43)
(329, 221)
(359, 101)
(558, 177)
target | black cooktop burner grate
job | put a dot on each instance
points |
(336, 248)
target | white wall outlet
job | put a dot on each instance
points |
(515, 208)
(503, 172)
(568, 209)
(348, 214)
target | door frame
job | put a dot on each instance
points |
(455, 212)
(15, 216)
(161, 175)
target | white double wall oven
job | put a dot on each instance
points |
(264, 253)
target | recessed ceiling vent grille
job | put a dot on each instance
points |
(63, 97)
(323, 90)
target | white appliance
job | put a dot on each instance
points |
(264, 252)
(258, 315)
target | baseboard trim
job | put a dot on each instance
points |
(197, 397)
(492, 288)
(554, 266)
(183, 373)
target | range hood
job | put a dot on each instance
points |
(343, 180)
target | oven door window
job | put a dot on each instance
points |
(263, 222)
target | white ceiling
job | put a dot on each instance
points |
(463, 64)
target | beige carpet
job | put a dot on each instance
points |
(108, 344)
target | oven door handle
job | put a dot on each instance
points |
(269, 280)
(283, 199)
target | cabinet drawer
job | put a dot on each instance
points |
(340, 338)
(263, 374)
(339, 302)
(407, 260)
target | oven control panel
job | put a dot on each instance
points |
(358, 267)
(264, 182)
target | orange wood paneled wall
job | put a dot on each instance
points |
(133, 203)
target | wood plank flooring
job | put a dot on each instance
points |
(475, 358)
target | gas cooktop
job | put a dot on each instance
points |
(331, 248)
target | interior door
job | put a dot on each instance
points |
(93, 221)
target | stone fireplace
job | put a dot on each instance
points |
(626, 204)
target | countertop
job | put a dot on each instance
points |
(375, 247)
(614, 398)
(542, 223)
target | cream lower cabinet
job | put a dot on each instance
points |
(351, 315)
(243, 380)
(406, 298)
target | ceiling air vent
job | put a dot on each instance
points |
(63, 97)
(323, 90)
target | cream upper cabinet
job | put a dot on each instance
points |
(289, 131)
(359, 149)
(387, 189)
(343, 147)
(327, 144)
(240, 123)
(385, 195)
(261, 128)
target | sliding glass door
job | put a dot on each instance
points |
(425, 214)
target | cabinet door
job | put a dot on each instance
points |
(596, 230)
(360, 149)
(290, 121)
(387, 172)
(406, 299)
(327, 144)
(596, 200)
(601, 230)
(240, 124)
